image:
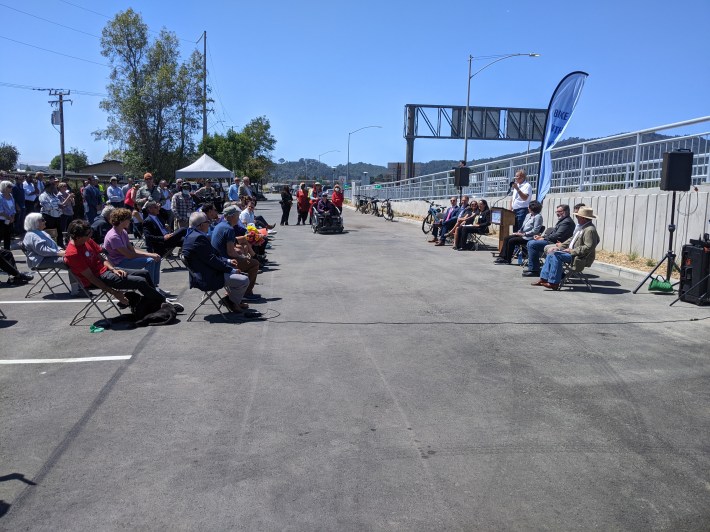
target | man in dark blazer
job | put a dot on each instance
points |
(562, 230)
(447, 221)
(158, 238)
(210, 271)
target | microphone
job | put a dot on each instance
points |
(510, 187)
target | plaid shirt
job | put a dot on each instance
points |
(183, 206)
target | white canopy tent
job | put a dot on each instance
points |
(204, 168)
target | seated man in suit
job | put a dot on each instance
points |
(102, 225)
(158, 238)
(224, 240)
(562, 230)
(447, 222)
(578, 250)
(210, 271)
(83, 256)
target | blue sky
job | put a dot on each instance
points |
(318, 70)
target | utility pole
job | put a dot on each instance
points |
(60, 102)
(204, 86)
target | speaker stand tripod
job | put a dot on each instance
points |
(702, 298)
(669, 257)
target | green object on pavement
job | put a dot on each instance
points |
(95, 329)
(660, 284)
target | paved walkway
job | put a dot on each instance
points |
(396, 386)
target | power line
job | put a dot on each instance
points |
(50, 21)
(54, 52)
(30, 87)
(225, 112)
(107, 17)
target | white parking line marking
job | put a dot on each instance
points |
(44, 301)
(61, 360)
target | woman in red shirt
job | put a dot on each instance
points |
(303, 203)
(337, 198)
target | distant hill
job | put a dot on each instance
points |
(312, 170)
(288, 170)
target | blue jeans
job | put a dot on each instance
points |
(552, 269)
(535, 249)
(143, 263)
(520, 215)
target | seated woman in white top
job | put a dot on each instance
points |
(41, 250)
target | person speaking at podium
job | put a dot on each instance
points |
(522, 192)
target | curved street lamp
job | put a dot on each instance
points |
(330, 151)
(468, 93)
(348, 170)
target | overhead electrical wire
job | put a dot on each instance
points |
(50, 21)
(55, 52)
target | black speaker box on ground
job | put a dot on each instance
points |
(461, 176)
(694, 268)
(677, 171)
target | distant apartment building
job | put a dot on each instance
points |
(397, 171)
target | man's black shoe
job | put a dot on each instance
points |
(231, 307)
(249, 314)
(528, 273)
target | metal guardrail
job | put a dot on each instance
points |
(634, 161)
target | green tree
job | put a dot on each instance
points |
(73, 161)
(154, 102)
(245, 152)
(8, 157)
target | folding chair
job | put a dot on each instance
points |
(94, 300)
(45, 277)
(207, 296)
(523, 250)
(474, 240)
(176, 262)
(570, 274)
(2, 315)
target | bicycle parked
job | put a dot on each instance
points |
(386, 210)
(372, 207)
(434, 214)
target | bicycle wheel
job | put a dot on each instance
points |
(426, 223)
(389, 213)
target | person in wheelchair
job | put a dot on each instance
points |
(327, 210)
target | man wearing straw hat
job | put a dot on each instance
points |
(577, 250)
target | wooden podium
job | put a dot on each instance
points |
(504, 219)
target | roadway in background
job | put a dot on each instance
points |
(397, 386)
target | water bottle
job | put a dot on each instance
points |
(520, 256)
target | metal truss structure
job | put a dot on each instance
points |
(484, 123)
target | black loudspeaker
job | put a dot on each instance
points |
(461, 176)
(694, 269)
(677, 171)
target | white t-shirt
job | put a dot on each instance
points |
(518, 202)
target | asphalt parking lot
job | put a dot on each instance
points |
(394, 386)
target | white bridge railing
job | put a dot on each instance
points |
(626, 161)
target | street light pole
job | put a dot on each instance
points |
(325, 152)
(348, 169)
(468, 95)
